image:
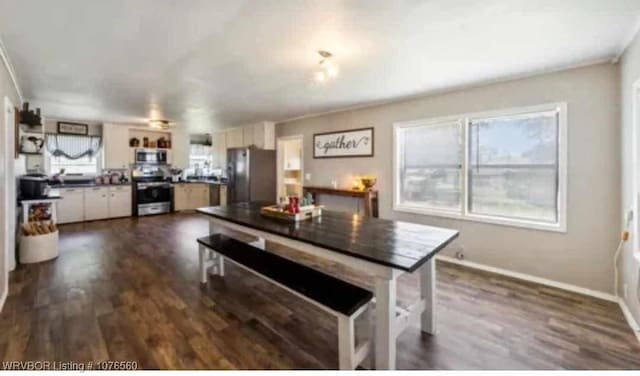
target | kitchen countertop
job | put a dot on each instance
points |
(85, 185)
(200, 182)
(53, 195)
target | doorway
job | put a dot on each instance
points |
(290, 166)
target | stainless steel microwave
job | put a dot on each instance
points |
(151, 156)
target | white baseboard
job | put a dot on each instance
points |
(629, 317)
(551, 283)
(531, 278)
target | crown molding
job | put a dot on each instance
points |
(7, 63)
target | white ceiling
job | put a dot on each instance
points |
(211, 64)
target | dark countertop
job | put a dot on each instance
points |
(400, 245)
(200, 182)
(53, 195)
(85, 185)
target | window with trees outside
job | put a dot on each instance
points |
(504, 167)
(85, 165)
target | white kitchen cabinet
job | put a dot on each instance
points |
(116, 150)
(247, 136)
(96, 203)
(180, 148)
(120, 201)
(71, 207)
(261, 135)
(292, 155)
(235, 138)
(219, 150)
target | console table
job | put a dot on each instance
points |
(370, 197)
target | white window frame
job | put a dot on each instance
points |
(463, 213)
(99, 161)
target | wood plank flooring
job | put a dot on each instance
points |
(127, 289)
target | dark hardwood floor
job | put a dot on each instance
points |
(127, 289)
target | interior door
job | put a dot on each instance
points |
(238, 174)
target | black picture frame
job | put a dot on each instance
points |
(346, 131)
(77, 129)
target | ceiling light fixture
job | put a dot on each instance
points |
(328, 69)
(159, 124)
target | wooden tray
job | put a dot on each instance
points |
(306, 212)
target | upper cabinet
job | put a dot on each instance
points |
(292, 155)
(219, 150)
(115, 143)
(180, 148)
(118, 150)
(235, 138)
(262, 135)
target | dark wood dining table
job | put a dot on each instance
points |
(382, 248)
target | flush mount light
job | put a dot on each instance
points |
(159, 124)
(327, 68)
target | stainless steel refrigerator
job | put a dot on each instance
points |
(252, 175)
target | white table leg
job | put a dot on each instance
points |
(428, 293)
(385, 342)
(202, 258)
(220, 266)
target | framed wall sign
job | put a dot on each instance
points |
(73, 128)
(343, 144)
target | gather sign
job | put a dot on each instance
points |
(342, 144)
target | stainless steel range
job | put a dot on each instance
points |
(152, 194)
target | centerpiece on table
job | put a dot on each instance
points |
(293, 209)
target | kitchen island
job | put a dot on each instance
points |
(382, 248)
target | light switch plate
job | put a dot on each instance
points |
(307, 177)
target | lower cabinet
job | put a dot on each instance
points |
(71, 207)
(89, 204)
(180, 197)
(96, 203)
(223, 195)
(190, 196)
(119, 201)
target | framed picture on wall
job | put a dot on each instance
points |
(73, 128)
(344, 144)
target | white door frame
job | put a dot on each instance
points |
(279, 160)
(8, 200)
(635, 174)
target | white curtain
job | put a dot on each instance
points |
(73, 147)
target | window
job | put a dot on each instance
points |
(200, 157)
(431, 166)
(85, 165)
(74, 153)
(505, 167)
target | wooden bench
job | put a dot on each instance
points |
(342, 299)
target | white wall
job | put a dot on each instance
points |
(6, 89)
(629, 264)
(580, 257)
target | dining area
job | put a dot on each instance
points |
(382, 249)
